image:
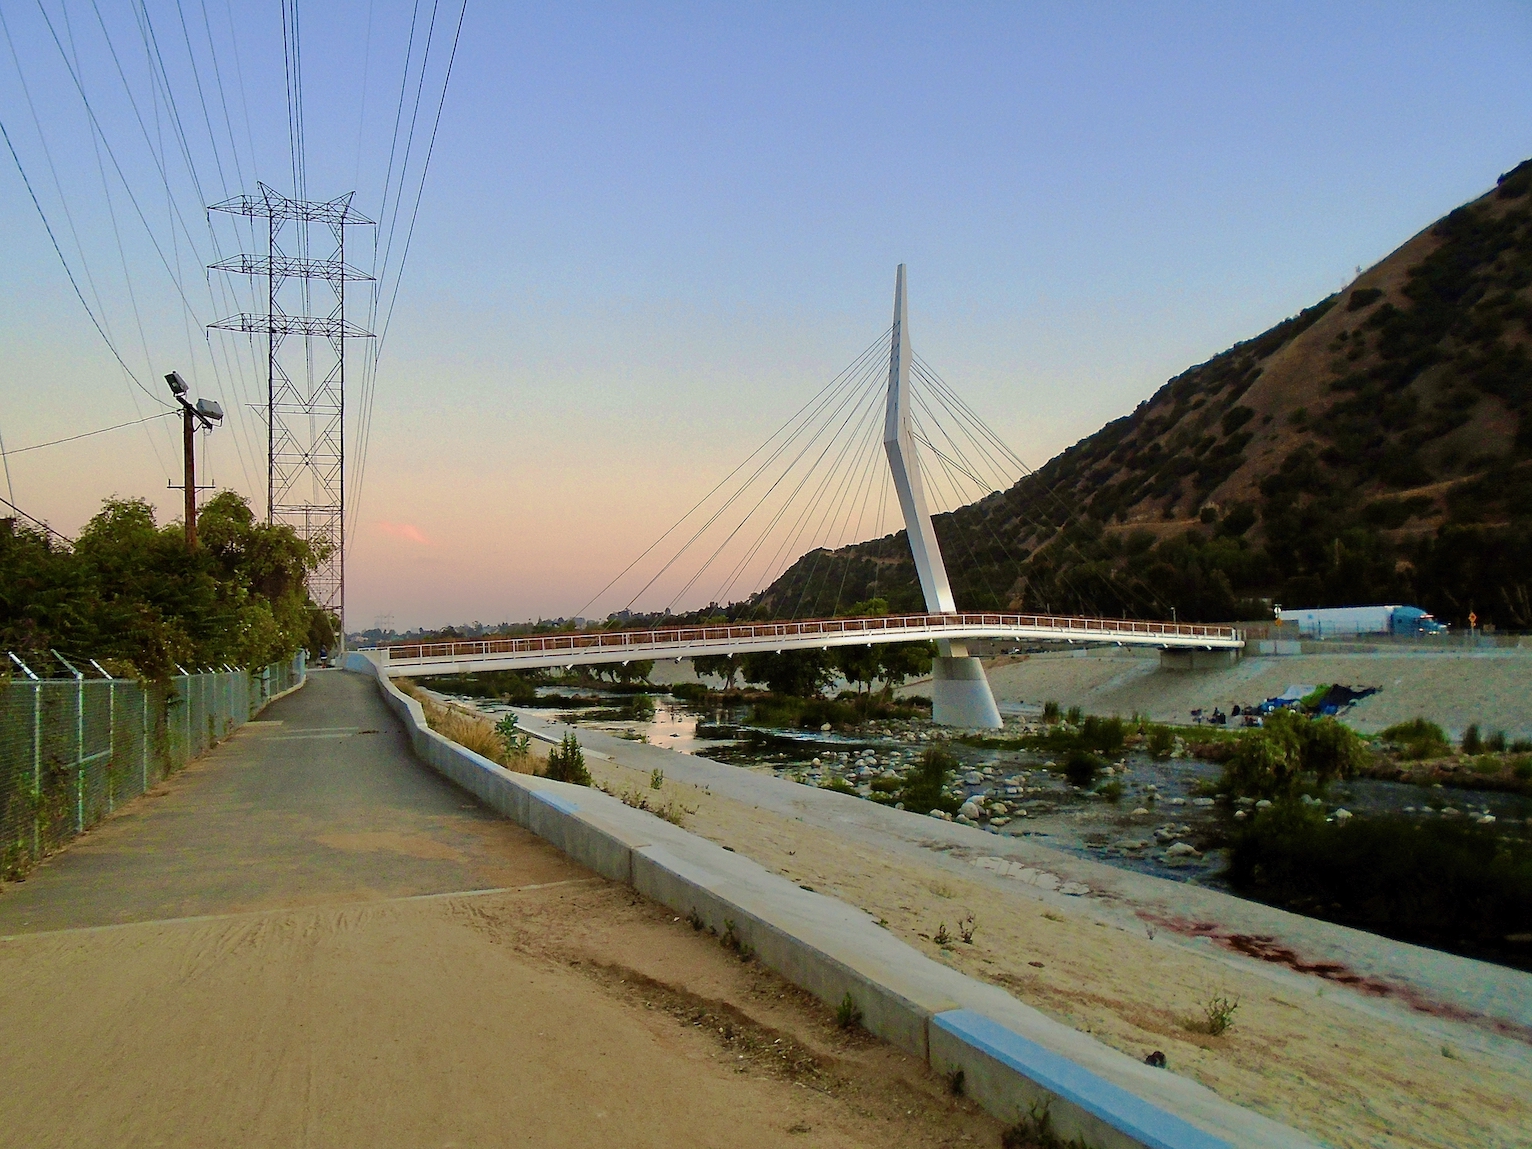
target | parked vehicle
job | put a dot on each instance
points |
(1347, 621)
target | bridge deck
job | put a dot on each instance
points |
(587, 647)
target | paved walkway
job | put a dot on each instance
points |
(320, 800)
(309, 939)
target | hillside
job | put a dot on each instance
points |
(1375, 447)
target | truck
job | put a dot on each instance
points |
(1349, 621)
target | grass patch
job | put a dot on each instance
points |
(473, 731)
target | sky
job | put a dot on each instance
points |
(646, 235)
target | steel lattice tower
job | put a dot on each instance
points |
(305, 409)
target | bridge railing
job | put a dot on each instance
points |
(912, 627)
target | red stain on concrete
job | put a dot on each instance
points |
(1264, 947)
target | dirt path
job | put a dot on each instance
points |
(310, 940)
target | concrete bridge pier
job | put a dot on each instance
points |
(1193, 659)
(960, 693)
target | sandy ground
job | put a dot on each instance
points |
(1348, 1070)
(307, 939)
(1453, 688)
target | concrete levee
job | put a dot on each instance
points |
(1013, 1057)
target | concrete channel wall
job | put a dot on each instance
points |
(1014, 1060)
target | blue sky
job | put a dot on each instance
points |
(649, 233)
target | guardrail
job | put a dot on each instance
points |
(839, 631)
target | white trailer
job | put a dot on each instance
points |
(1349, 621)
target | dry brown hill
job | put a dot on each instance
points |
(1375, 447)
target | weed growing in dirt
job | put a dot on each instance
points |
(942, 937)
(966, 928)
(656, 779)
(694, 919)
(955, 1083)
(1217, 1015)
(848, 1015)
(1035, 1131)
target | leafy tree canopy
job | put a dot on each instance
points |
(129, 591)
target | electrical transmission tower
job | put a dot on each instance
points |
(305, 404)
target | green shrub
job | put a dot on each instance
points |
(1521, 746)
(1050, 712)
(566, 762)
(1276, 759)
(1471, 741)
(1112, 791)
(1160, 741)
(641, 708)
(1363, 297)
(689, 691)
(1081, 767)
(1419, 738)
(1495, 743)
(924, 786)
(1104, 735)
(1450, 884)
(839, 786)
(1074, 716)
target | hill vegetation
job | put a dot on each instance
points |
(1375, 447)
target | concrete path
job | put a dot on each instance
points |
(319, 800)
(307, 938)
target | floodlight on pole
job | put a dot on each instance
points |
(206, 412)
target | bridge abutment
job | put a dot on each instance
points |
(960, 694)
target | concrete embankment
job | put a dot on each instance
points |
(1452, 687)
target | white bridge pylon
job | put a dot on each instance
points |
(961, 694)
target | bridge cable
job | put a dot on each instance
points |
(813, 403)
(740, 493)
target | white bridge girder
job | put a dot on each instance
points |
(586, 648)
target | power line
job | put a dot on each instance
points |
(105, 338)
(81, 435)
(34, 519)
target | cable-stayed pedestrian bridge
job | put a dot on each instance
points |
(583, 648)
(813, 481)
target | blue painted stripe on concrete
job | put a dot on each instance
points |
(557, 801)
(1122, 1110)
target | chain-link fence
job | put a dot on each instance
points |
(73, 749)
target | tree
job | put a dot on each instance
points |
(129, 591)
(804, 673)
(638, 670)
(858, 664)
(900, 661)
(724, 666)
(566, 762)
